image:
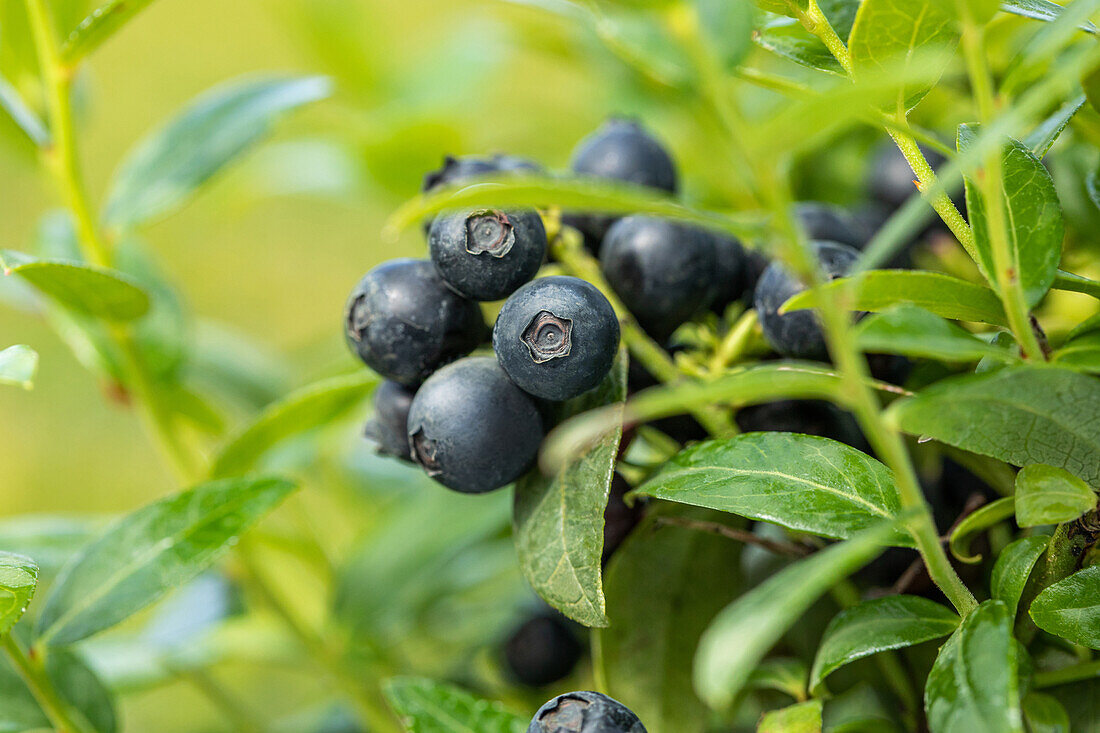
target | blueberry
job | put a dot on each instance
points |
(471, 167)
(387, 428)
(556, 337)
(755, 263)
(471, 429)
(620, 150)
(542, 650)
(664, 271)
(585, 712)
(404, 322)
(828, 223)
(891, 181)
(729, 278)
(486, 254)
(797, 334)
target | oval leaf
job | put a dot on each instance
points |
(1033, 218)
(310, 407)
(145, 554)
(873, 626)
(664, 586)
(879, 290)
(975, 522)
(913, 331)
(1039, 10)
(168, 166)
(98, 27)
(425, 706)
(888, 30)
(559, 520)
(973, 685)
(805, 717)
(1071, 608)
(746, 629)
(1049, 495)
(1013, 567)
(18, 365)
(94, 291)
(18, 581)
(1019, 415)
(802, 482)
(1044, 714)
(75, 682)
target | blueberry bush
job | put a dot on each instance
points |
(787, 422)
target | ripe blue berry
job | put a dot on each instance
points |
(620, 150)
(404, 322)
(664, 271)
(797, 334)
(486, 254)
(387, 428)
(471, 429)
(556, 337)
(542, 650)
(824, 222)
(585, 712)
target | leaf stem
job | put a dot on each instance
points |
(61, 714)
(1067, 675)
(734, 342)
(815, 21)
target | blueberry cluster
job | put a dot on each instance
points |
(475, 423)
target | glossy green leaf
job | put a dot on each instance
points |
(1046, 134)
(888, 30)
(802, 482)
(1049, 495)
(425, 706)
(1019, 415)
(145, 554)
(746, 629)
(1071, 608)
(787, 38)
(805, 717)
(18, 581)
(94, 291)
(913, 331)
(1039, 10)
(879, 290)
(305, 409)
(782, 674)
(877, 625)
(18, 365)
(74, 680)
(978, 521)
(1033, 218)
(559, 519)
(664, 586)
(973, 686)
(103, 23)
(1076, 283)
(1044, 714)
(1013, 567)
(166, 168)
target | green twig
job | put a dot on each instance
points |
(1066, 675)
(61, 714)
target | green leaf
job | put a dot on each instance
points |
(1044, 714)
(888, 30)
(1044, 136)
(1076, 283)
(145, 554)
(1049, 495)
(664, 586)
(877, 625)
(24, 117)
(18, 365)
(94, 291)
(18, 581)
(913, 331)
(1013, 567)
(1033, 218)
(782, 674)
(579, 194)
(166, 168)
(425, 706)
(1080, 354)
(305, 409)
(1071, 608)
(973, 685)
(1039, 10)
(746, 629)
(1019, 415)
(805, 717)
(559, 519)
(103, 23)
(879, 290)
(802, 482)
(75, 681)
(859, 710)
(787, 38)
(978, 521)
